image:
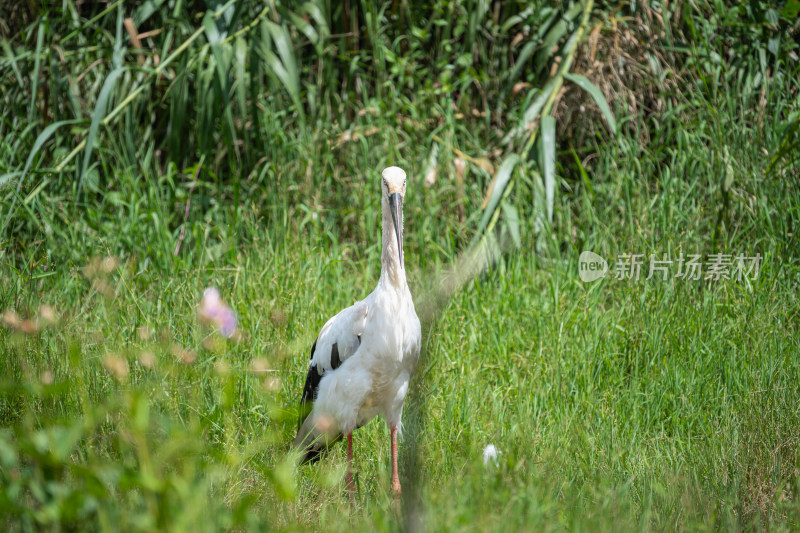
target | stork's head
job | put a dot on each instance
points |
(394, 181)
(394, 190)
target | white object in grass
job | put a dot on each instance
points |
(490, 454)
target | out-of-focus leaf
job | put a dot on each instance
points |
(146, 10)
(555, 33)
(549, 162)
(512, 221)
(313, 10)
(431, 166)
(8, 452)
(523, 58)
(36, 66)
(306, 28)
(516, 19)
(283, 479)
(13, 60)
(788, 145)
(99, 111)
(283, 65)
(483, 163)
(771, 16)
(729, 173)
(498, 186)
(597, 95)
(791, 9)
(5, 178)
(63, 439)
(283, 44)
(584, 175)
(240, 52)
(774, 44)
(532, 112)
(550, 40)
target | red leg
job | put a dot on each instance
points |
(396, 490)
(351, 488)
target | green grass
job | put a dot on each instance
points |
(647, 405)
(617, 405)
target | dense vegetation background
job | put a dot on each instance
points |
(151, 149)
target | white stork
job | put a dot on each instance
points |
(364, 356)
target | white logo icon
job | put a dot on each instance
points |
(591, 266)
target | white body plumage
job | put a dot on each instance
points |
(375, 370)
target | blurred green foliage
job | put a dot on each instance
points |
(283, 101)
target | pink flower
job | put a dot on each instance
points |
(215, 312)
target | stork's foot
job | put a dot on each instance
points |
(397, 491)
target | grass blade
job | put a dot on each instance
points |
(788, 142)
(282, 65)
(532, 112)
(546, 50)
(283, 45)
(240, 55)
(12, 60)
(522, 60)
(584, 176)
(549, 162)
(305, 28)
(36, 67)
(499, 185)
(595, 92)
(511, 217)
(99, 110)
(215, 39)
(314, 11)
(517, 19)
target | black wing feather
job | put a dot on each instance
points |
(310, 391)
(335, 361)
